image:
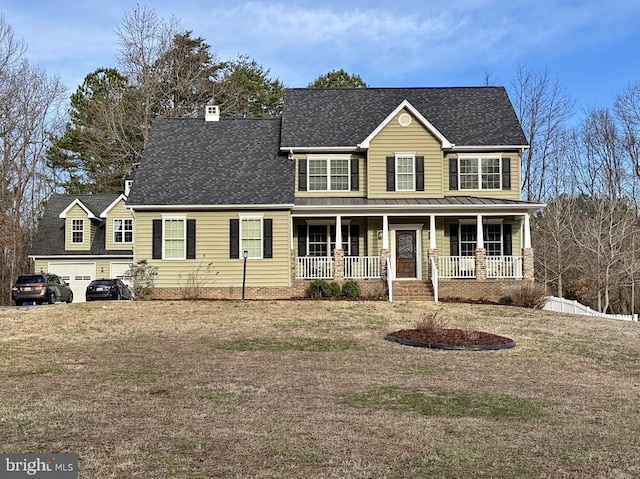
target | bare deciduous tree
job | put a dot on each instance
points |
(30, 101)
(543, 107)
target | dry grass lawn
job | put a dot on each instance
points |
(310, 389)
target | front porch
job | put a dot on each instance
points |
(396, 250)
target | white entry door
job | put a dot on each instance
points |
(78, 275)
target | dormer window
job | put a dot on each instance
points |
(123, 230)
(77, 231)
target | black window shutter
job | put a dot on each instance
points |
(191, 239)
(355, 174)
(267, 224)
(453, 239)
(302, 240)
(234, 238)
(302, 175)
(419, 173)
(391, 173)
(507, 239)
(506, 173)
(453, 173)
(355, 240)
(157, 240)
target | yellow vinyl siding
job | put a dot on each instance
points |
(117, 212)
(394, 138)
(212, 247)
(512, 194)
(77, 213)
(362, 180)
(444, 243)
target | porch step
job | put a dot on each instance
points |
(412, 290)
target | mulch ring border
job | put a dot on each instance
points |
(475, 347)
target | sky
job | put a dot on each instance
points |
(589, 46)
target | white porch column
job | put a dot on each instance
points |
(385, 232)
(479, 234)
(527, 232)
(432, 232)
(338, 232)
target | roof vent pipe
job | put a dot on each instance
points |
(211, 113)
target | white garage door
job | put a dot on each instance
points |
(118, 270)
(78, 275)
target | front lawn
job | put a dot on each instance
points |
(310, 389)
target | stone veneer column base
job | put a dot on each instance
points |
(528, 272)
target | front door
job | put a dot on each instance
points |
(405, 254)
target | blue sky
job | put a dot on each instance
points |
(590, 46)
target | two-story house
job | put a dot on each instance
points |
(414, 190)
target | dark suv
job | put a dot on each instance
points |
(40, 288)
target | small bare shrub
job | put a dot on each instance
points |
(431, 322)
(193, 283)
(144, 276)
(528, 295)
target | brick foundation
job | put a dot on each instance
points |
(230, 292)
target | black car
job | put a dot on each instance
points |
(107, 289)
(40, 288)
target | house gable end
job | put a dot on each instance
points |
(405, 105)
(79, 203)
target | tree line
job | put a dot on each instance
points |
(587, 171)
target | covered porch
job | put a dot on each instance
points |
(414, 242)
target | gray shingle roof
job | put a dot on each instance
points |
(228, 162)
(49, 239)
(472, 116)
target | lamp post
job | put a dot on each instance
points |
(245, 255)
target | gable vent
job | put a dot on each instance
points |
(211, 113)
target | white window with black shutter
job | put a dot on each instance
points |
(174, 238)
(497, 238)
(480, 172)
(328, 173)
(405, 172)
(253, 234)
(318, 238)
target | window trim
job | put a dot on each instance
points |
(241, 248)
(74, 223)
(182, 218)
(328, 159)
(330, 241)
(412, 156)
(474, 225)
(479, 158)
(123, 231)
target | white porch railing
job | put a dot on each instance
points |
(456, 266)
(434, 279)
(390, 277)
(504, 267)
(361, 267)
(314, 267)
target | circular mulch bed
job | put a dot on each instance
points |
(450, 339)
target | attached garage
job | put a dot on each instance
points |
(78, 275)
(118, 270)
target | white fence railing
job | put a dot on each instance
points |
(457, 266)
(361, 267)
(504, 267)
(314, 267)
(562, 305)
